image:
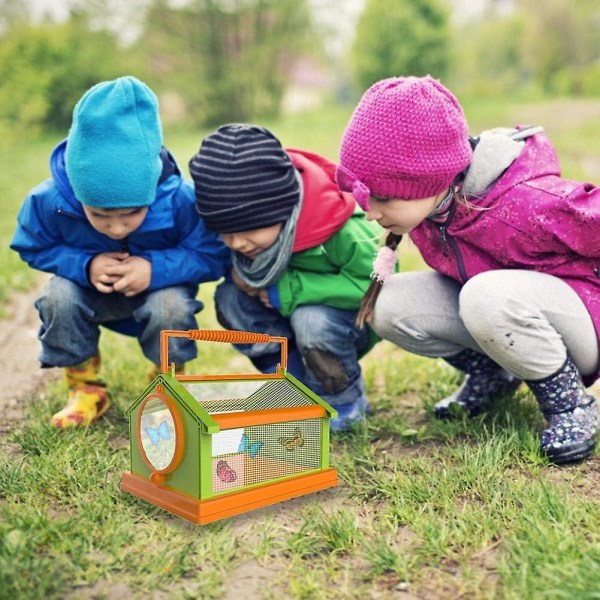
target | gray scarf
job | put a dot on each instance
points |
(268, 266)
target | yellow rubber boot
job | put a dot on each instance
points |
(155, 370)
(87, 398)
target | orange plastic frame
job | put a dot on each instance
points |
(205, 511)
(229, 337)
(158, 475)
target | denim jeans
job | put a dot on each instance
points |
(71, 316)
(325, 338)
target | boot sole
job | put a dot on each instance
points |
(575, 453)
(444, 414)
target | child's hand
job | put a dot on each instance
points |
(241, 285)
(100, 277)
(134, 275)
(263, 294)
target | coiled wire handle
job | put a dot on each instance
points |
(220, 335)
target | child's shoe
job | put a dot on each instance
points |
(484, 381)
(571, 413)
(86, 403)
(156, 370)
(350, 414)
(87, 398)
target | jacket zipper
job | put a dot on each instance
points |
(449, 241)
(60, 211)
(459, 260)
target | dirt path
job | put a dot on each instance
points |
(19, 349)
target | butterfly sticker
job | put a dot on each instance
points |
(293, 442)
(253, 448)
(225, 472)
(162, 431)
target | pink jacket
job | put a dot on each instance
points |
(533, 219)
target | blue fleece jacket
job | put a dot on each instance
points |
(54, 235)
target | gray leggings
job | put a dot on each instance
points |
(524, 320)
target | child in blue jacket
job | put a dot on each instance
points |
(117, 226)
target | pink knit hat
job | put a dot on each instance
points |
(408, 139)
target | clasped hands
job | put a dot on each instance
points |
(120, 272)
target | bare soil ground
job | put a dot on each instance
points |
(22, 377)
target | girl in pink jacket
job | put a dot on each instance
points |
(514, 294)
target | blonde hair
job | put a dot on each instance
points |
(367, 305)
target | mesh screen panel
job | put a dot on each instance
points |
(260, 453)
(235, 396)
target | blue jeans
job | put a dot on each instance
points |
(325, 338)
(71, 316)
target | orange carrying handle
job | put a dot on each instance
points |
(220, 335)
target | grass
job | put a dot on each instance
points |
(464, 509)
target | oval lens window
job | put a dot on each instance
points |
(157, 433)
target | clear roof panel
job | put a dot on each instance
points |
(235, 396)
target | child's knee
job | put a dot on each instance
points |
(328, 369)
(59, 297)
(172, 305)
(319, 333)
(483, 304)
(309, 323)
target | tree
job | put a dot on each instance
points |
(229, 57)
(400, 37)
(11, 12)
(562, 43)
(525, 49)
(45, 69)
(483, 67)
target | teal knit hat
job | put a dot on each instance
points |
(112, 157)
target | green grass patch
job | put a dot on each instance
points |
(434, 509)
(439, 509)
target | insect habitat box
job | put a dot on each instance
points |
(205, 447)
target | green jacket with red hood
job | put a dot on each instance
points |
(334, 244)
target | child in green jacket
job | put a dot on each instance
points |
(302, 259)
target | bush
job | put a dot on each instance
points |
(405, 37)
(577, 81)
(45, 69)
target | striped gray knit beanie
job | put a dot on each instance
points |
(243, 179)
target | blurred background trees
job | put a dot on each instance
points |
(212, 61)
(44, 69)
(528, 47)
(400, 37)
(229, 58)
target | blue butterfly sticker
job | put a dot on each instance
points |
(162, 431)
(253, 448)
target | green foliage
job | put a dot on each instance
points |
(565, 36)
(45, 69)
(425, 509)
(553, 51)
(404, 37)
(230, 60)
(484, 68)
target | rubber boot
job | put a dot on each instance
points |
(350, 414)
(485, 380)
(87, 398)
(571, 414)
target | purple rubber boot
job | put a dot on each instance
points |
(485, 380)
(571, 413)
